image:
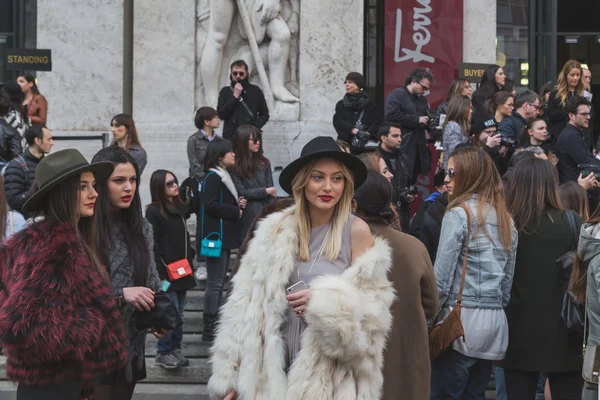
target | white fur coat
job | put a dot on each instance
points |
(347, 318)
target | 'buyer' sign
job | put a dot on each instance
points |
(28, 59)
(472, 72)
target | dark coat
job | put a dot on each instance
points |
(18, 178)
(442, 109)
(233, 112)
(512, 126)
(254, 190)
(220, 204)
(344, 120)
(556, 114)
(500, 162)
(59, 320)
(431, 227)
(10, 141)
(406, 369)
(571, 151)
(170, 234)
(538, 338)
(404, 108)
(196, 151)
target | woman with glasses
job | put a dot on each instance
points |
(172, 243)
(477, 228)
(355, 114)
(460, 87)
(457, 126)
(252, 175)
(501, 105)
(125, 136)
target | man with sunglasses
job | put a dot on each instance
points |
(408, 107)
(241, 103)
(527, 107)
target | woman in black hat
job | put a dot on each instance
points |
(356, 114)
(312, 274)
(59, 322)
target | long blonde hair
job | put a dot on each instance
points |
(341, 212)
(562, 85)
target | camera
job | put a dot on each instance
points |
(507, 142)
(411, 190)
(587, 169)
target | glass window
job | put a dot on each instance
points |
(373, 50)
(512, 36)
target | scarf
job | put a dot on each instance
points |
(356, 101)
(227, 181)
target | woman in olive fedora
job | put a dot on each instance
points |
(309, 311)
(59, 323)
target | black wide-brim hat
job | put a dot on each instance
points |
(57, 167)
(322, 147)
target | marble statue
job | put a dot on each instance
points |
(274, 26)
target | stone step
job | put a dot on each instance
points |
(192, 322)
(197, 372)
(192, 346)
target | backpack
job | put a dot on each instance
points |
(189, 193)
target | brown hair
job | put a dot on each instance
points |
(476, 174)
(371, 161)
(498, 99)
(562, 85)
(3, 210)
(458, 111)
(456, 88)
(574, 197)
(532, 192)
(127, 121)
(524, 139)
(247, 162)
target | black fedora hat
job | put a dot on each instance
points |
(60, 166)
(322, 147)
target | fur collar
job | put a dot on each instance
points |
(227, 181)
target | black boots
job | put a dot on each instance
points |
(210, 327)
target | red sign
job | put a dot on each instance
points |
(427, 34)
(423, 33)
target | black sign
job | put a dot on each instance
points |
(471, 71)
(28, 59)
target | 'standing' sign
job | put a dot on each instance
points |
(28, 59)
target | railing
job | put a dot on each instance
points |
(105, 138)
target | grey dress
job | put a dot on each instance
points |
(294, 326)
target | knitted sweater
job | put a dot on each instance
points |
(453, 136)
(121, 271)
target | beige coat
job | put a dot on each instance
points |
(348, 319)
(407, 368)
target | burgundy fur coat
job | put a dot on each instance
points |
(58, 316)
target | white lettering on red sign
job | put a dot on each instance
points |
(421, 36)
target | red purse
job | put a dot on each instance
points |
(180, 268)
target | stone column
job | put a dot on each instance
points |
(479, 40)
(84, 88)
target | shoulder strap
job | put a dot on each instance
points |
(464, 267)
(220, 219)
(572, 228)
(241, 100)
(360, 117)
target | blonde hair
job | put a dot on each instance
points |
(562, 87)
(341, 212)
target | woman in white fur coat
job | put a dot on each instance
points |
(308, 315)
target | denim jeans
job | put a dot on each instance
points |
(455, 376)
(173, 340)
(216, 275)
(500, 384)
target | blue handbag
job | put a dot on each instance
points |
(211, 247)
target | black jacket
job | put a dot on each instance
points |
(217, 208)
(431, 227)
(396, 164)
(512, 126)
(170, 232)
(344, 120)
(571, 151)
(233, 112)
(10, 141)
(18, 178)
(406, 109)
(556, 115)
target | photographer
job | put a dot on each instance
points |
(570, 145)
(356, 117)
(408, 107)
(390, 136)
(241, 103)
(485, 136)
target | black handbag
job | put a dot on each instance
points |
(573, 312)
(164, 315)
(358, 141)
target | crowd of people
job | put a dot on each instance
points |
(338, 291)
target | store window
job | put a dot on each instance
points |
(512, 36)
(18, 29)
(373, 49)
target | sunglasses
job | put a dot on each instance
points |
(425, 88)
(171, 184)
(235, 74)
(450, 173)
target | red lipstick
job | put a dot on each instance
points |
(326, 198)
